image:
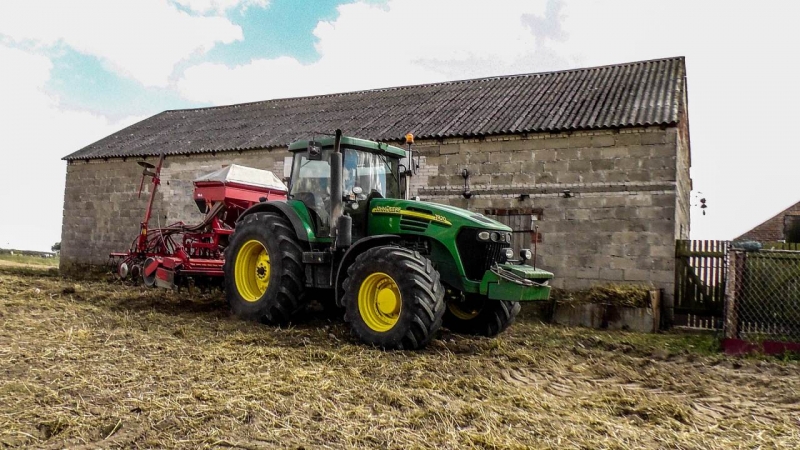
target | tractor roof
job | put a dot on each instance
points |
(370, 146)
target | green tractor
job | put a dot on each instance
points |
(400, 268)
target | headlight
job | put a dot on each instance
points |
(495, 236)
(509, 253)
(525, 254)
(483, 236)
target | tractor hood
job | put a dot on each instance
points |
(476, 219)
(443, 215)
(456, 248)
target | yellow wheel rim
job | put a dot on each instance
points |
(466, 313)
(379, 302)
(251, 270)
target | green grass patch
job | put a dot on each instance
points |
(30, 260)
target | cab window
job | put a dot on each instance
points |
(311, 185)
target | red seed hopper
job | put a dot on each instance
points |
(239, 187)
(181, 253)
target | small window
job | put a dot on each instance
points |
(791, 229)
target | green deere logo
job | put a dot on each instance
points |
(387, 210)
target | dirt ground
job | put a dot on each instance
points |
(99, 364)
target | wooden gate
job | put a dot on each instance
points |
(700, 277)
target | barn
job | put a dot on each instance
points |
(592, 164)
(784, 226)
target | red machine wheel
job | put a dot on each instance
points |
(149, 272)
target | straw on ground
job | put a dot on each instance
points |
(98, 364)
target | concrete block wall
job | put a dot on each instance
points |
(621, 223)
(630, 197)
(684, 184)
(102, 212)
(179, 172)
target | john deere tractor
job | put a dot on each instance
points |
(400, 268)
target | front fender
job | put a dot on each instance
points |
(284, 210)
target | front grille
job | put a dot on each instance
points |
(413, 224)
(417, 224)
(476, 256)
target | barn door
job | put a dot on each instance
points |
(522, 223)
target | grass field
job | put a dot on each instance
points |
(23, 260)
(101, 364)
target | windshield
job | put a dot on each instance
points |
(371, 172)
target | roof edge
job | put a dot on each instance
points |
(437, 83)
(681, 59)
(67, 158)
(399, 138)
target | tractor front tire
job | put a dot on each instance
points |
(479, 316)
(393, 298)
(264, 273)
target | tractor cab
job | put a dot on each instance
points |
(370, 170)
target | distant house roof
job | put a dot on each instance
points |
(616, 96)
(772, 229)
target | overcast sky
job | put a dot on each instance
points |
(74, 72)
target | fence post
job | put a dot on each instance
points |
(731, 316)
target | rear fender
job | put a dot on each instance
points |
(350, 256)
(282, 208)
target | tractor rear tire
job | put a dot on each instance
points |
(393, 298)
(480, 316)
(264, 273)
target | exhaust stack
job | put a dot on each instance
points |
(410, 168)
(336, 183)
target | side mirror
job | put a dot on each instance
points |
(314, 151)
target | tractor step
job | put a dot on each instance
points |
(316, 257)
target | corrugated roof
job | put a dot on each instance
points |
(616, 96)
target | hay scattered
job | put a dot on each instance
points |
(93, 364)
(630, 295)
